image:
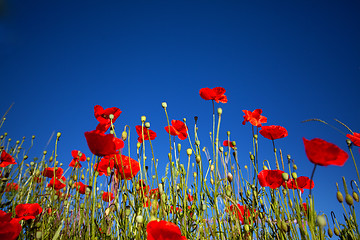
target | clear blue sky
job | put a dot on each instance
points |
(294, 59)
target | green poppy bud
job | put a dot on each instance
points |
(219, 111)
(285, 176)
(164, 104)
(124, 135)
(58, 135)
(147, 125)
(284, 226)
(189, 151)
(143, 118)
(198, 159)
(294, 175)
(339, 197)
(355, 196)
(330, 233)
(336, 231)
(321, 221)
(349, 200)
(179, 147)
(229, 177)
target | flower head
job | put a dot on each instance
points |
(163, 230)
(217, 94)
(177, 128)
(273, 132)
(126, 167)
(10, 187)
(27, 211)
(228, 143)
(240, 211)
(102, 144)
(57, 183)
(103, 115)
(355, 138)
(10, 228)
(51, 172)
(107, 162)
(80, 187)
(254, 117)
(271, 178)
(299, 183)
(324, 153)
(107, 196)
(140, 129)
(6, 159)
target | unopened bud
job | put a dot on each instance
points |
(111, 116)
(212, 167)
(294, 175)
(285, 176)
(339, 196)
(295, 167)
(219, 111)
(179, 147)
(349, 200)
(189, 151)
(124, 135)
(265, 167)
(221, 149)
(330, 233)
(348, 142)
(336, 231)
(198, 159)
(164, 104)
(143, 118)
(230, 177)
(58, 135)
(321, 221)
(138, 145)
(355, 196)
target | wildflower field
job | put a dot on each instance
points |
(208, 195)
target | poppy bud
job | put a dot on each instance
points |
(212, 167)
(294, 175)
(44, 152)
(230, 177)
(51, 159)
(164, 104)
(252, 157)
(189, 151)
(9, 139)
(336, 231)
(255, 136)
(170, 156)
(198, 159)
(82, 177)
(295, 167)
(143, 118)
(212, 181)
(284, 226)
(348, 142)
(75, 177)
(58, 135)
(179, 147)
(321, 221)
(339, 197)
(124, 135)
(25, 157)
(349, 200)
(221, 149)
(265, 167)
(355, 196)
(147, 125)
(330, 233)
(197, 143)
(285, 176)
(219, 111)
(246, 228)
(138, 145)
(111, 116)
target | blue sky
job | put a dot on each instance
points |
(295, 60)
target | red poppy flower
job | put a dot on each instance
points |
(271, 178)
(143, 188)
(57, 183)
(146, 135)
(163, 230)
(177, 209)
(6, 159)
(301, 182)
(102, 144)
(51, 172)
(227, 143)
(304, 208)
(37, 179)
(324, 153)
(355, 138)
(217, 94)
(27, 211)
(78, 155)
(107, 196)
(105, 163)
(9, 228)
(154, 193)
(80, 187)
(126, 167)
(240, 212)
(177, 128)
(102, 115)
(273, 132)
(10, 187)
(254, 117)
(190, 198)
(75, 164)
(62, 195)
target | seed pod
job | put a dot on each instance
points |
(339, 197)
